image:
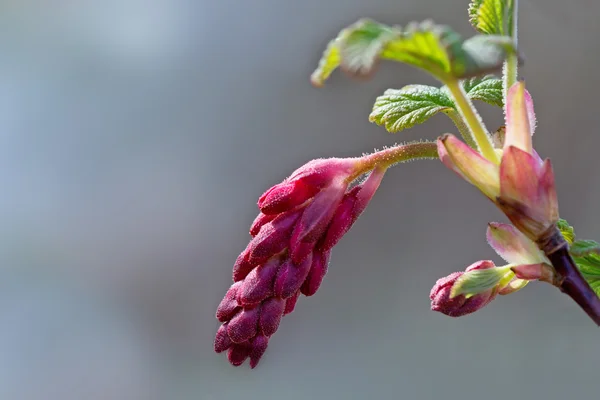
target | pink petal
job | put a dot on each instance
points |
(542, 272)
(512, 245)
(519, 175)
(519, 112)
(473, 167)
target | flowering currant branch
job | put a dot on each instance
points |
(302, 218)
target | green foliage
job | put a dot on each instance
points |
(566, 230)
(481, 280)
(492, 17)
(585, 253)
(436, 49)
(486, 88)
(399, 109)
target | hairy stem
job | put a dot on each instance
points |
(477, 129)
(404, 152)
(570, 280)
(509, 70)
(462, 127)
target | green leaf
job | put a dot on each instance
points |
(486, 88)
(481, 280)
(566, 230)
(435, 48)
(399, 109)
(581, 248)
(585, 253)
(328, 63)
(492, 17)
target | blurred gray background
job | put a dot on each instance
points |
(135, 138)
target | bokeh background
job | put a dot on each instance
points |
(135, 138)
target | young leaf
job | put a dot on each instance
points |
(481, 280)
(399, 109)
(404, 108)
(492, 17)
(566, 230)
(435, 48)
(486, 88)
(581, 248)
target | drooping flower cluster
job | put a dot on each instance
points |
(300, 220)
(525, 262)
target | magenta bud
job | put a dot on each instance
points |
(315, 219)
(273, 237)
(258, 285)
(342, 220)
(290, 303)
(222, 340)
(238, 353)
(459, 305)
(271, 312)
(352, 205)
(244, 325)
(318, 269)
(301, 250)
(321, 172)
(259, 346)
(285, 197)
(259, 221)
(229, 305)
(243, 266)
(291, 276)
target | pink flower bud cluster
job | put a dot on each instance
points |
(300, 220)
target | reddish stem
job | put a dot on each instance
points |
(571, 282)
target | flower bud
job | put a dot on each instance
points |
(459, 305)
(229, 305)
(318, 269)
(290, 303)
(258, 347)
(304, 183)
(222, 340)
(273, 237)
(238, 353)
(258, 285)
(243, 325)
(314, 221)
(291, 276)
(270, 315)
(259, 221)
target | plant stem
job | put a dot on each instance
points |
(509, 70)
(473, 120)
(570, 281)
(462, 127)
(400, 153)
